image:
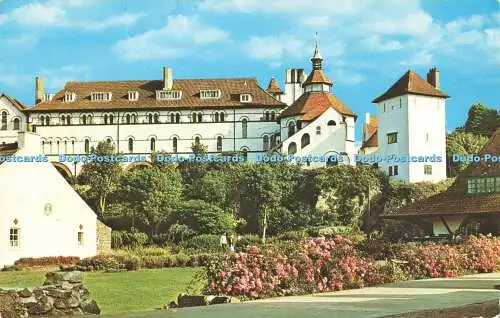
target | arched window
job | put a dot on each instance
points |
(150, 118)
(245, 153)
(43, 146)
(153, 144)
(291, 128)
(273, 116)
(244, 128)
(108, 140)
(133, 118)
(216, 117)
(172, 118)
(87, 146)
(305, 140)
(47, 120)
(174, 144)
(267, 116)
(63, 119)
(84, 119)
(219, 144)
(331, 123)
(292, 148)
(68, 120)
(265, 141)
(130, 145)
(4, 121)
(177, 118)
(72, 146)
(197, 141)
(273, 141)
(111, 119)
(222, 117)
(156, 118)
(127, 119)
(105, 119)
(17, 124)
(50, 147)
(65, 146)
(58, 148)
(200, 117)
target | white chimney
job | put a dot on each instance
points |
(39, 90)
(168, 81)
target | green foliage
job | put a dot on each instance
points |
(46, 261)
(101, 178)
(463, 144)
(482, 120)
(203, 242)
(154, 193)
(204, 218)
(344, 193)
(123, 239)
(179, 232)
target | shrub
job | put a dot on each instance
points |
(482, 254)
(244, 241)
(100, 263)
(122, 239)
(292, 236)
(46, 261)
(204, 242)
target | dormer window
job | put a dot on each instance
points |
(69, 97)
(100, 97)
(210, 94)
(133, 95)
(246, 98)
(48, 97)
(168, 95)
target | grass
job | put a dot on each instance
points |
(117, 292)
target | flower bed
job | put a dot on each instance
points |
(321, 265)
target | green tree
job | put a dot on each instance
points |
(100, 178)
(462, 143)
(482, 120)
(154, 193)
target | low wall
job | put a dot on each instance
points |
(62, 294)
(103, 238)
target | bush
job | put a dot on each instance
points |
(100, 263)
(244, 241)
(204, 242)
(292, 236)
(125, 239)
(46, 261)
(482, 254)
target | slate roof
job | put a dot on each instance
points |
(410, 83)
(456, 200)
(273, 87)
(312, 104)
(231, 88)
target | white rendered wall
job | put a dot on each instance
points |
(453, 222)
(26, 189)
(10, 135)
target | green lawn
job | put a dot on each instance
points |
(118, 292)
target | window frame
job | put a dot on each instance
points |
(392, 138)
(14, 237)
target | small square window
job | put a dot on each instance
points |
(318, 130)
(390, 171)
(395, 170)
(428, 169)
(392, 138)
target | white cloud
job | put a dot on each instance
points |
(376, 43)
(177, 38)
(56, 78)
(274, 48)
(348, 77)
(55, 13)
(14, 79)
(420, 58)
(316, 22)
(493, 43)
(415, 23)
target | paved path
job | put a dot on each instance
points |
(366, 302)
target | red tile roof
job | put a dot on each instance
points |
(273, 87)
(317, 77)
(370, 134)
(14, 102)
(455, 200)
(312, 104)
(230, 95)
(410, 83)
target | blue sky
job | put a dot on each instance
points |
(367, 44)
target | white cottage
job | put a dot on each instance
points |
(40, 213)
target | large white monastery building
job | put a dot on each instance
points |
(235, 116)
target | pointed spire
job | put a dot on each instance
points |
(317, 59)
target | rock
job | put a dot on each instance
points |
(72, 277)
(57, 292)
(73, 301)
(38, 292)
(84, 293)
(28, 300)
(192, 300)
(57, 312)
(68, 286)
(90, 307)
(60, 303)
(25, 293)
(11, 306)
(224, 300)
(40, 307)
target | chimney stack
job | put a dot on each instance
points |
(167, 78)
(433, 77)
(39, 89)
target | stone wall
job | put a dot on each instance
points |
(62, 294)
(103, 238)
